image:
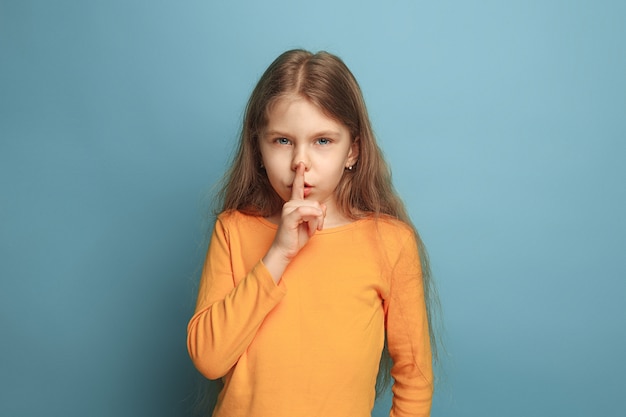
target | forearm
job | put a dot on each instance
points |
(219, 333)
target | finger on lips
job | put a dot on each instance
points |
(297, 188)
(311, 213)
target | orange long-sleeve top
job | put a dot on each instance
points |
(311, 345)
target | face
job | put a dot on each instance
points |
(298, 131)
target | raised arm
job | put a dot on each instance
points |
(230, 312)
(227, 315)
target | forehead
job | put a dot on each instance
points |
(295, 112)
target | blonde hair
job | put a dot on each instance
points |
(366, 190)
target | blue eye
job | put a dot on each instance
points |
(323, 141)
(282, 141)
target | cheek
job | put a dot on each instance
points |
(274, 163)
(275, 169)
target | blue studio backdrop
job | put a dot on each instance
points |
(504, 124)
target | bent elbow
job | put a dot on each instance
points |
(205, 357)
(209, 369)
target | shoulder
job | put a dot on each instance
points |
(393, 238)
(235, 222)
(229, 216)
(235, 218)
(391, 228)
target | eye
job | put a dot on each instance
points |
(323, 141)
(282, 141)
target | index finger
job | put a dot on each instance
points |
(297, 188)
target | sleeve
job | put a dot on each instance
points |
(227, 315)
(408, 337)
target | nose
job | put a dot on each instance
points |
(300, 155)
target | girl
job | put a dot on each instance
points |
(313, 268)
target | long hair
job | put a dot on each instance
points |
(366, 190)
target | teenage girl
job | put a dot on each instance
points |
(313, 268)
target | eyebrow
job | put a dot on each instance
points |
(324, 133)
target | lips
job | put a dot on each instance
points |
(307, 190)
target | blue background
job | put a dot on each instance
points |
(504, 122)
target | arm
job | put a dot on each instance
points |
(227, 316)
(408, 337)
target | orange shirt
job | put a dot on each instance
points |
(310, 346)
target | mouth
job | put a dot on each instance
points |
(307, 189)
(306, 185)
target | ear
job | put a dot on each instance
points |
(353, 153)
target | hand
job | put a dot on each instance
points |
(299, 220)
